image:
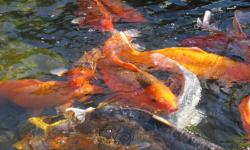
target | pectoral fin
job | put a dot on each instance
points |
(126, 65)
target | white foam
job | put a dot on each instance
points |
(190, 96)
(80, 114)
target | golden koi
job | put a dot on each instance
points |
(205, 65)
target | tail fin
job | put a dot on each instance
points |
(93, 14)
(101, 14)
(122, 12)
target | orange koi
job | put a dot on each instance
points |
(37, 95)
(244, 108)
(159, 92)
(78, 77)
(122, 12)
(84, 70)
(95, 15)
(205, 65)
(101, 14)
(139, 87)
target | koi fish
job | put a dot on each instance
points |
(203, 64)
(34, 94)
(122, 12)
(58, 130)
(37, 95)
(233, 43)
(139, 87)
(78, 77)
(95, 15)
(84, 71)
(69, 133)
(101, 14)
(190, 94)
(244, 109)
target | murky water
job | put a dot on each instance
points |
(37, 36)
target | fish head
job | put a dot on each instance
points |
(163, 98)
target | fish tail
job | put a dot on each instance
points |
(103, 21)
(123, 12)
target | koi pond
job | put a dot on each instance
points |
(132, 74)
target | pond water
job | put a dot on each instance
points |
(37, 36)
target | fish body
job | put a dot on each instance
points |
(211, 43)
(122, 12)
(100, 14)
(205, 65)
(95, 15)
(35, 94)
(244, 108)
(78, 77)
(138, 87)
(113, 128)
(76, 140)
